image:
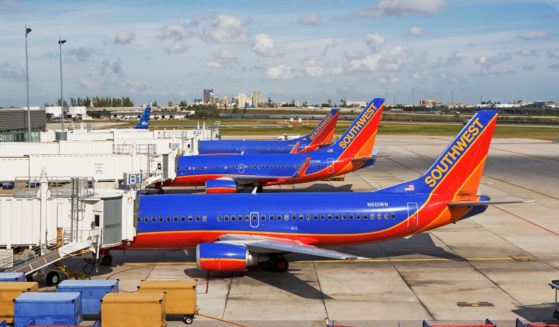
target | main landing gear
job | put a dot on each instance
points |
(280, 263)
(106, 260)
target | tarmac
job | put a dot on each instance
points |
(496, 265)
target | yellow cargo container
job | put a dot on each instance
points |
(180, 299)
(8, 292)
(133, 309)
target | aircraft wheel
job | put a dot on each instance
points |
(281, 264)
(107, 260)
(53, 278)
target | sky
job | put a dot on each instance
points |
(454, 50)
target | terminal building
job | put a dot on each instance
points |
(13, 124)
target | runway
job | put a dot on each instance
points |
(496, 265)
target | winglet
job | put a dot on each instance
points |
(303, 169)
(295, 148)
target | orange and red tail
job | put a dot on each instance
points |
(323, 134)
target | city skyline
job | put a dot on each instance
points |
(302, 50)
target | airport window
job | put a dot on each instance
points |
(343, 216)
(218, 218)
(315, 217)
(322, 216)
(393, 215)
(175, 218)
(386, 215)
(183, 219)
(197, 219)
(189, 219)
(204, 218)
(308, 217)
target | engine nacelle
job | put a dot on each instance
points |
(222, 257)
(221, 185)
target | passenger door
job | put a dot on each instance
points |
(413, 216)
(330, 162)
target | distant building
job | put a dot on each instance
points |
(13, 124)
(243, 101)
(256, 98)
(356, 103)
(77, 111)
(54, 111)
(429, 103)
(208, 96)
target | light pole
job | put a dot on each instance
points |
(27, 31)
(60, 43)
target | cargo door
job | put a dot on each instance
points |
(112, 221)
(413, 216)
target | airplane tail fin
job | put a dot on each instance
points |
(323, 134)
(359, 139)
(459, 169)
(143, 123)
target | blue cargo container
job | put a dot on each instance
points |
(92, 292)
(42, 308)
(12, 277)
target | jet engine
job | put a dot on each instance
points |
(221, 185)
(224, 257)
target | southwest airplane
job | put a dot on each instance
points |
(321, 136)
(225, 173)
(143, 123)
(233, 232)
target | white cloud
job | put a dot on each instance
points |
(316, 68)
(11, 71)
(487, 63)
(177, 33)
(87, 84)
(227, 29)
(370, 63)
(553, 54)
(310, 19)
(374, 41)
(221, 59)
(390, 79)
(404, 7)
(280, 72)
(415, 31)
(264, 46)
(81, 54)
(124, 37)
(532, 35)
(114, 67)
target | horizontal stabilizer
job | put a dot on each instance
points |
(483, 203)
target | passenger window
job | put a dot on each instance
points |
(344, 217)
(337, 217)
(218, 218)
(271, 217)
(146, 219)
(372, 216)
(204, 219)
(183, 218)
(286, 217)
(233, 217)
(322, 216)
(350, 217)
(189, 219)
(315, 217)
(263, 217)
(393, 215)
(379, 216)
(329, 217)
(175, 218)
(153, 219)
(226, 218)
(197, 219)
(294, 217)
(386, 215)
(168, 218)
(160, 219)
(358, 216)
(308, 217)
(246, 218)
(301, 217)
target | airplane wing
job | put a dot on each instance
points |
(482, 203)
(260, 244)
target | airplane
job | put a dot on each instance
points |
(228, 173)
(143, 123)
(236, 231)
(321, 136)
